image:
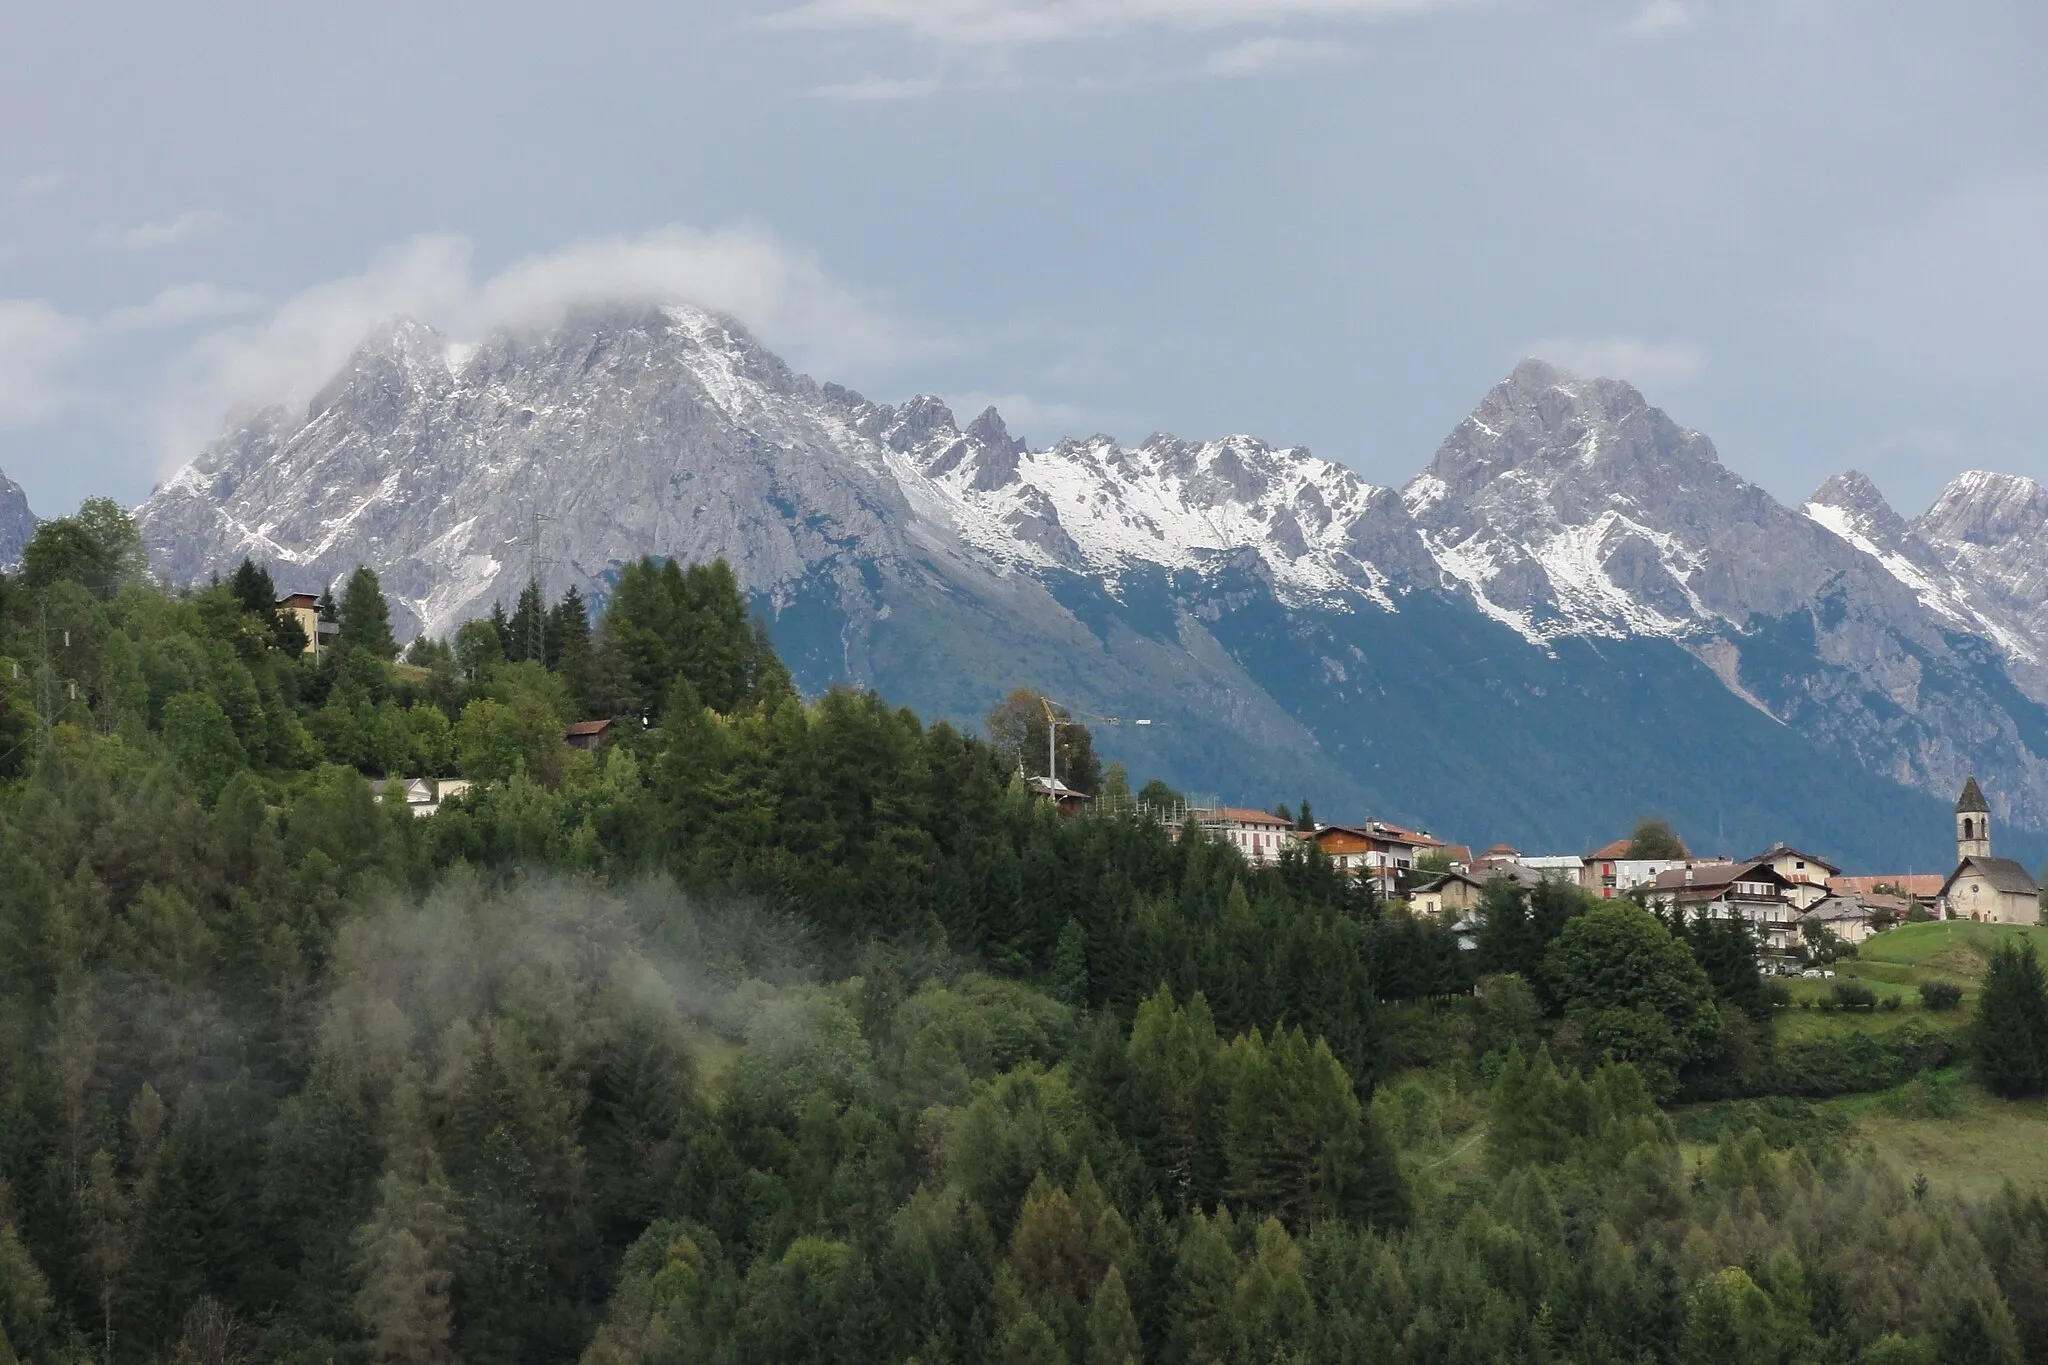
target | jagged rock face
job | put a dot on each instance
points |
(1991, 532)
(664, 431)
(1975, 559)
(17, 523)
(945, 562)
(1572, 507)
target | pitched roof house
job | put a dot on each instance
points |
(1058, 794)
(1920, 886)
(1752, 892)
(1454, 892)
(1375, 851)
(1808, 873)
(586, 734)
(1850, 917)
(1259, 835)
(1608, 871)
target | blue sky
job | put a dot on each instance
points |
(1813, 230)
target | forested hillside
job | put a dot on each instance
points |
(786, 1030)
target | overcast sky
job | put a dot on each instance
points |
(1816, 230)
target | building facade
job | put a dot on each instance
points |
(1807, 875)
(1259, 835)
(1982, 887)
(1751, 892)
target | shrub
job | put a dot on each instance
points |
(1778, 993)
(1783, 1121)
(1854, 995)
(1940, 995)
(1891, 1002)
(1932, 1096)
(1859, 1062)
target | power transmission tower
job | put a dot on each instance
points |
(536, 624)
(46, 678)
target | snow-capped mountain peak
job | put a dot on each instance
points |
(1561, 507)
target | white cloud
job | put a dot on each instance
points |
(1642, 363)
(783, 294)
(32, 189)
(41, 346)
(1263, 56)
(1029, 23)
(880, 89)
(37, 345)
(1661, 16)
(181, 305)
(189, 226)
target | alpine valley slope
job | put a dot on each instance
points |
(1572, 616)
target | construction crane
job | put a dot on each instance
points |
(1053, 724)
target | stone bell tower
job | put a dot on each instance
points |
(1973, 823)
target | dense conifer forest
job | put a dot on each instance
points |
(786, 1029)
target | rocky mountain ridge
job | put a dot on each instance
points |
(893, 546)
(17, 523)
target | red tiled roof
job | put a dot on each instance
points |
(587, 727)
(1618, 850)
(1380, 829)
(1244, 815)
(1923, 885)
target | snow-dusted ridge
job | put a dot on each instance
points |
(1561, 506)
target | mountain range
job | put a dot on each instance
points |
(1573, 615)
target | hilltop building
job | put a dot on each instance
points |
(1994, 890)
(1258, 834)
(1807, 874)
(1753, 892)
(1376, 851)
(304, 607)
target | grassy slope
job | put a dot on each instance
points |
(1972, 1153)
(1991, 1140)
(1895, 963)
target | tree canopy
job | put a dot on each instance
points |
(787, 1028)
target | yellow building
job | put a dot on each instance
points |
(304, 607)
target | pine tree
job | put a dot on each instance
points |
(2009, 1036)
(365, 616)
(1112, 1330)
(1070, 964)
(569, 646)
(251, 586)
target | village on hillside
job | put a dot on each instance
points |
(1802, 907)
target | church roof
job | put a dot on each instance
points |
(1972, 798)
(2004, 874)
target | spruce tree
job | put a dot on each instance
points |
(252, 587)
(365, 616)
(2009, 1036)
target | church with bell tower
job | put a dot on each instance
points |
(1992, 890)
